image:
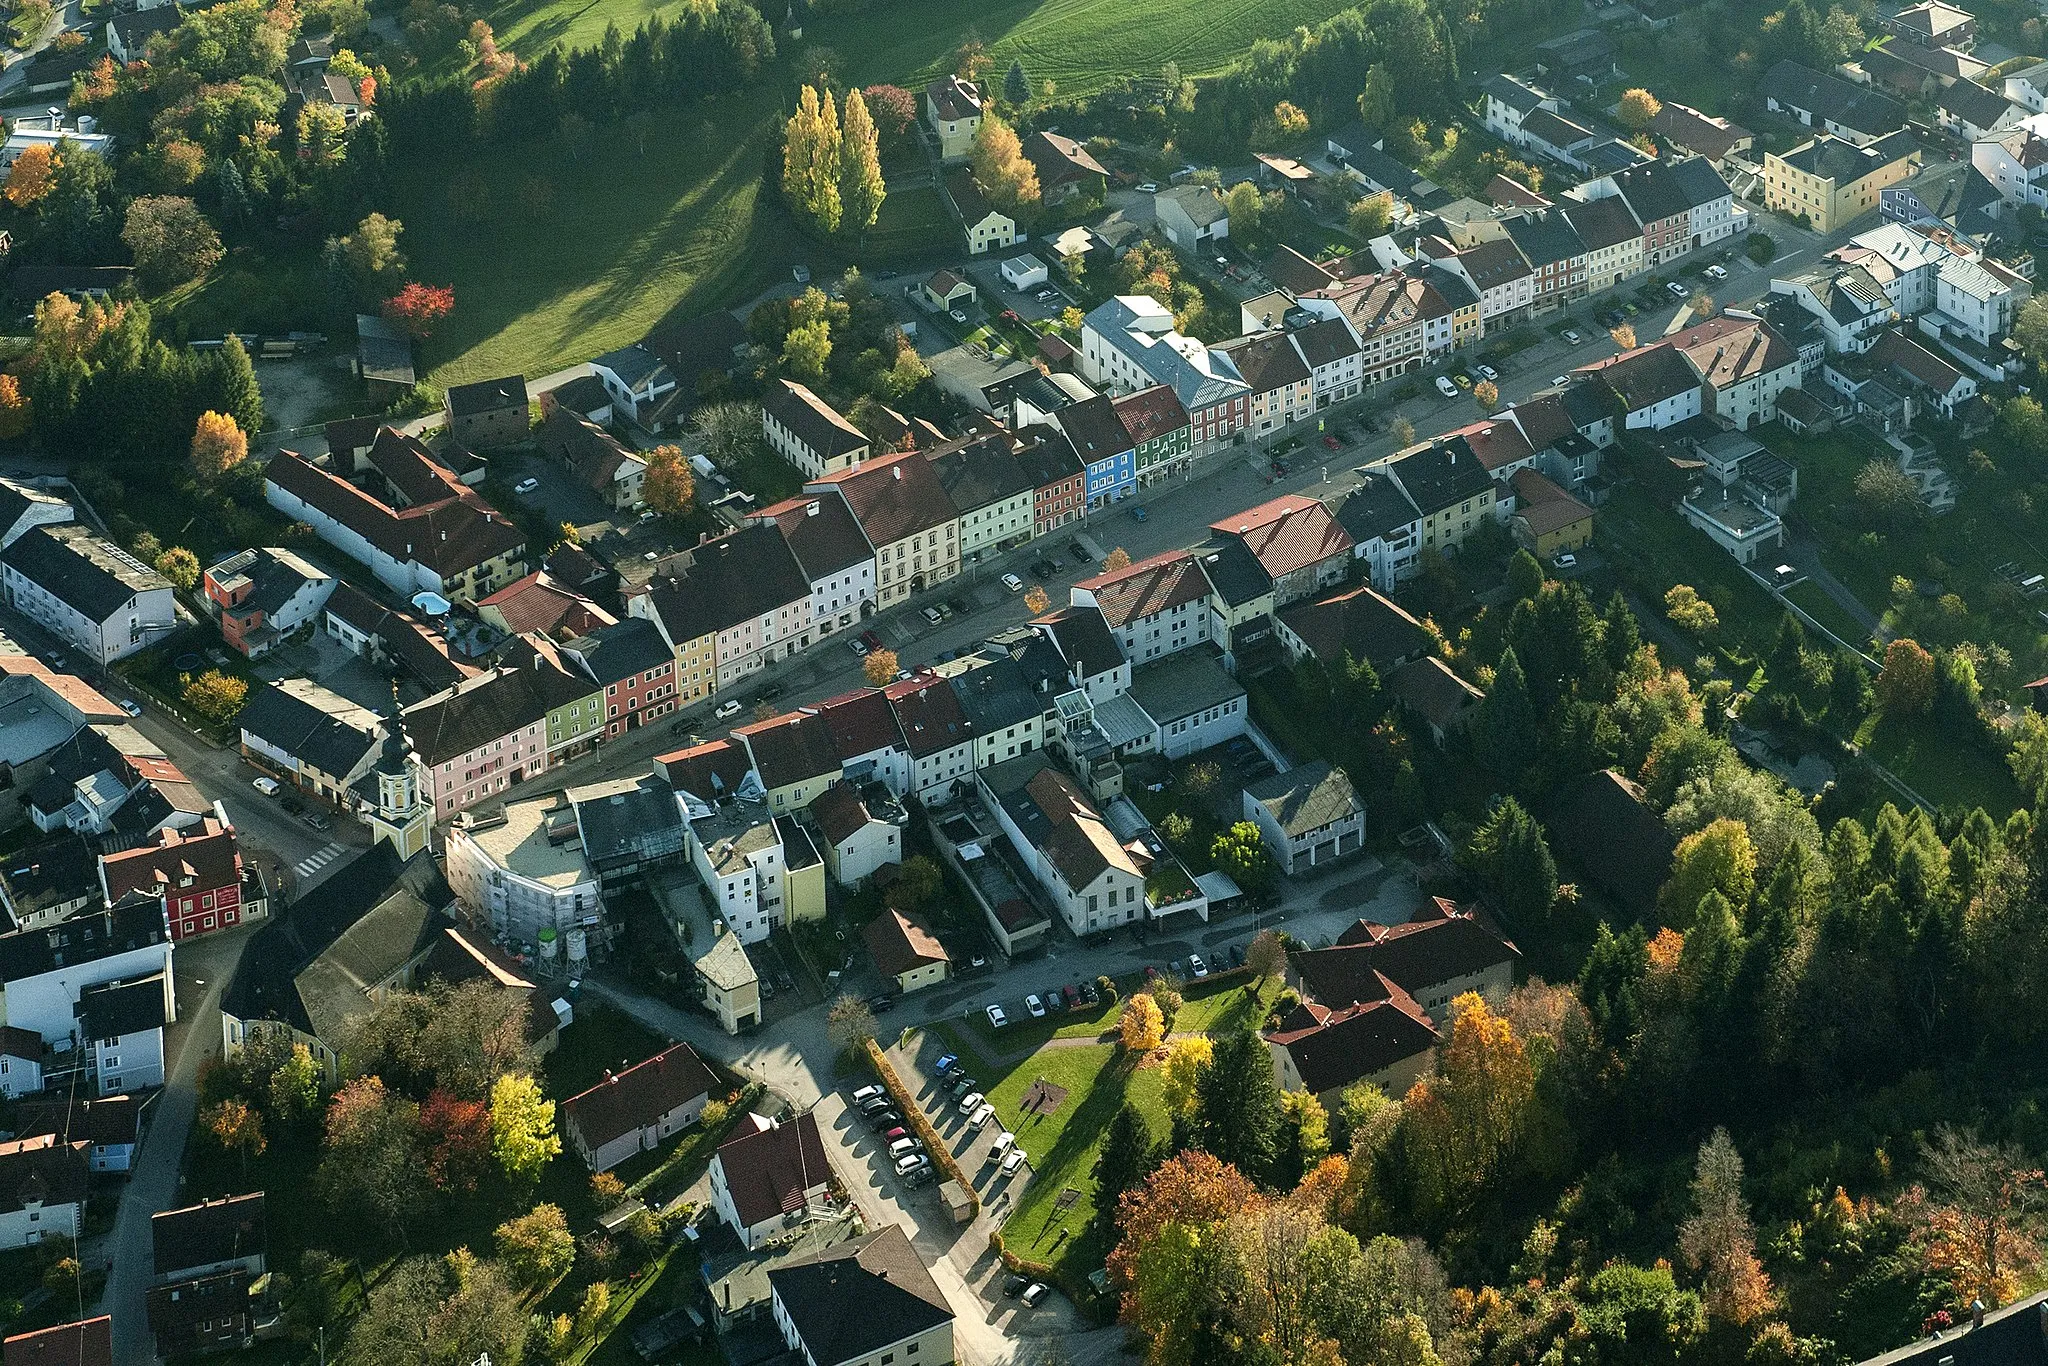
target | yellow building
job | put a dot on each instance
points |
(906, 951)
(794, 757)
(1828, 181)
(952, 110)
(1449, 487)
(1548, 521)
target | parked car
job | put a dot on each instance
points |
(911, 1162)
(726, 709)
(946, 1063)
(1036, 1293)
(1090, 994)
(983, 1113)
(933, 615)
(962, 1084)
(971, 1102)
(871, 640)
(1197, 966)
(1567, 560)
(1045, 569)
(1572, 337)
(267, 786)
(1004, 1142)
(526, 486)
(1013, 1161)
(1675, 289)
(858, 646)
(1080, 553)
(904, 1147)
(884, 1118)
(921, 1176)
(131, 706)
(1013, 583)
(996, 1018)
(316, 820)
(1330, 440)
(1014, 1286)
(1071, 995)
(1560, 381)
(868, 1093)
(1035, 1006)
(883, 1003)
(1445, 387)
(1461, 379)
(1486, 372)
(1716, 272)
(1138, 514)
(1148, 187)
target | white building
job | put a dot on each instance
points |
(524, 869)
(1192, 702)
(87, 591)
(639, 382)
(124, 1021)
(44, 973)
(769, 1177)
(834, 555)
(1508, 103)
(1155, 607)
(43, 1188)
(1309, 816)
(739, 854)
(808, 432)
(1090, 876)
(869, 1301)
(21, 1062)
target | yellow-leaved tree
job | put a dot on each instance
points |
(1142, 1025)
(218, 444)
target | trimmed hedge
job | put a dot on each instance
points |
(920, 1124)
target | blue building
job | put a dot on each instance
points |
(1106, 450)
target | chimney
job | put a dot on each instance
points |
(1976, 1314)
(811, 508)
(896, 471)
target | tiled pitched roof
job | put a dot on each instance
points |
(481, 709)
(638, 1096)
(455, 531)
(928, 713)
(538, 603)
(1603, 824)
(1268, 361)
(1287, 533)
(1081, 844)
(1439, 944)
(894, 498)
(899, 943)
(1150, 413)
(1686, 127)
(790, 748)
(840, 812)
(211, 1231)
(860, 722)
(1727, 350)
(815, 422)
(767, 1171)
(955, 98)
(1602, 223)
(1307, 798)
(1832, 98)
(1648, 376)
(1084, 639)
(303, 720)
(849, 1300)
(748, 572)
(84, 571)
(89, 1342)
(1358, 621)
(486, 396)
(1332, 1049)
(207, 854)
(1148, 587)
(706, 771)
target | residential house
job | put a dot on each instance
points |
(91, 1341)
(1358, 624)
(761, 871)
(1829, 181)
(1385, 316)
(906, 952)
(768, 1179)
(832, 552)
(1547, 520)
(492, 732)
(703, 353)
(1743, 366)
(905, 513)
(1310, 816)
(952, 110)
(112, 1125)
(411, 520)
(1387, 1041)
(210, 1286)
(1129, 343)
(1062, 839)
(1334, 357)
(1440, 953)
(1384, 526)
(1059, 481)
(86, 591)
(1299, 545)
(43, 1189)
(808, 432)
(1683, 205)
(1977, 300)
(1556, 254)
(643, 389)
(195, 876)
(1856, 114)
(1095, 662)
(47, 973)
(867, 740)
(992, 490)
(1282, 385)
(1583, 52)
(1847, 302)
(594, 457)
(539, 604)
(638, 1108)
(2015, 162)
(1613, 238)
(347, 945)
(312, 738)
(1240, 597)
(1156, 425)
(1451, 490)
(522, 872)
(1509, 102)
(1977, 112)
(858, 838)
(986, 227)
(42, 711)
(1155, 607)
(2028, 87)
(1935, 385)
(627, 827)
(1496, 268)
(391, 640)
(1066, 169)
(124, 1024)
(128, 37)
(21, 1062)
(262, 596)
(861, 1302)
(1190, 703)
(1608, 832)
(1004, 714)
(1686, 129)
(1655, 385)
(1910, 71)
(936, 734)
(727, 984)
(1105, 449)
(948, 289)
(23, 507)
(634, 664)
(1191, 216)
(730, 607)
(1934, 24)
(488, 413)
(794, 757)
(109, 780)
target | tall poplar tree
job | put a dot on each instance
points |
(861, 189)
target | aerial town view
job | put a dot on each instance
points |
(870, 683)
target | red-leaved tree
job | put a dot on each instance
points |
(457, 1134)
(418, 308)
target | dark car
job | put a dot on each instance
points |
(922, 1176)
(1045, 569)
(882, 1120)
(882, 1004)
(1090, 994)
(871, 640)
(1237, 955)
(769, 693)
(1072, 995)
(1080, 554)
(316, 820)
(962, 1084)
(959, 605)
(1013, 1286)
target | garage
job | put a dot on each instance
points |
(1024, 272)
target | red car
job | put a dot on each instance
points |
(1333, 443)
(871, 640)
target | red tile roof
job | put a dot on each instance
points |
(538, 603)
(896, 497)
(1148, 587)
(639, 1096)
(768, 1171)
(929, 713)
(899, 944)
(1287, 534)
(86, 1343)
(207, 854)
(860, 722)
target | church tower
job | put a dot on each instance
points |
(402, 815)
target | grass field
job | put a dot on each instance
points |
(625, 239)
(1813, 600)
(1947, 763)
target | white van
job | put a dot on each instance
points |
(267, 786)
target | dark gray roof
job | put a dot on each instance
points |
(93, 576)
(634, 365)
(1513, 93)
(135, 27)
(746, 573)
(303, 731)
(1974, 104)
(615, 653)
(1438, 476)
(1084, 639)
(995, 696)
(60, 870)
(617, 819)
(1234, 571)
(822, 532)
(1375, 508)
(1829, 97)
(980, 473)
(454, 722)
(83, 938)
(487, 396)
(1545, 236)
(1306, 798)
(2016, 1335)
(855, 1298)
(209, 1233)
(111, 1009)
(1602, 222)
(1094, 429)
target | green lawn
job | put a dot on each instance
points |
(1948, 763)
(1814, 600)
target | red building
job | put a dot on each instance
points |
(635, 665)
(1059, 481)
(197, 873)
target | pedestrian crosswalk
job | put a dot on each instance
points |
(318, 859)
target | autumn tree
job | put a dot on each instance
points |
(1267, 956)
(1158, 1264)
(171, 240)
(1719, 859)
(917, 884)
(1905, 685)
(1689, 611)
(1486, 393)
(1241, 853)
(215, 696)
(1987, 1199)
(670, 486)
(805, 350)
(16, 411)
(371, 1161)
(294, 1087)
(1116, 561)
(879, 668)
(369, 255)
(850, 1023)
(1036, 601)
(1187, 1061)
(1624, 336)
(1141, 1026)
(455, 1136)
(810, 160)
(427, 1311)
(1001, 170)
(1718, 1239)
(238, 1128)
(522, 1127)
(536, 1247)
(1465, 1123)
(1638, 107)
(861, 188)
(419, 308)
(893, 109)
(1370, 216)
(218, 444)
(31, 176)
(180, 566)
